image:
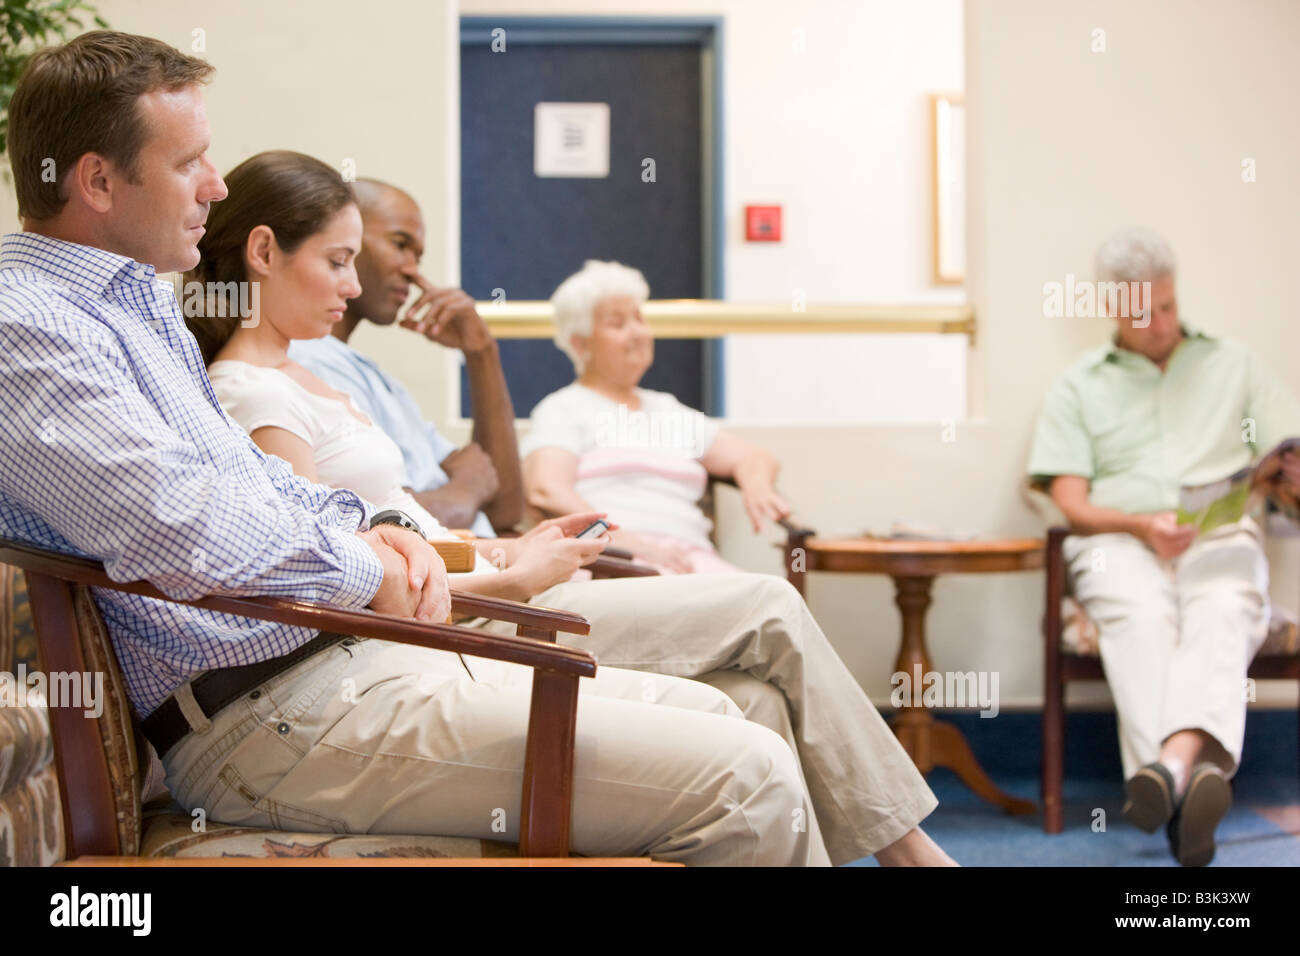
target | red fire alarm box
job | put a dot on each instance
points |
(763, 223)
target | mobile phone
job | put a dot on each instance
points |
(594, 530)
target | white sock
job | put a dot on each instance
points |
(1179, 769)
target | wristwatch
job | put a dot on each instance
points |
(399, 518)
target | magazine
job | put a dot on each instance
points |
(1228, 500)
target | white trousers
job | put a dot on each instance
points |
(1176, 637)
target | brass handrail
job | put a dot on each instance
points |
(708, 318)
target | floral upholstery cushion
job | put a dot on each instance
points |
(1079, 632)
(171, 832)
(31, 821)
(31, 818)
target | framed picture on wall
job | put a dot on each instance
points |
(948, 122)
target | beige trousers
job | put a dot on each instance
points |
(753, 636)
(1176, 637)
(377, 737)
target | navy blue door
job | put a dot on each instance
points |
(524, 234)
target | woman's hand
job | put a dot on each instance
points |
(546, 556)
(415, 579)
(754, 470)
(665, 553)
(762, 503)
(570, 525)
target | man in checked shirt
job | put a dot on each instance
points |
(117, 449)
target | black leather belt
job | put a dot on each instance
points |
(213, 690)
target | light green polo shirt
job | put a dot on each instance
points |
(1139, 436)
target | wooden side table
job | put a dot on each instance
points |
(914, 565)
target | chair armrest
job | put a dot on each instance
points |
(359, 622)
(606, 565)
(459, 556)
(795, 530)
(514, 612)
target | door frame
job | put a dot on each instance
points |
(708, 34)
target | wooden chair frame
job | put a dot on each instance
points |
(85, 788)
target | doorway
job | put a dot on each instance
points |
(658, 208)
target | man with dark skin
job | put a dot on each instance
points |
(485, 475)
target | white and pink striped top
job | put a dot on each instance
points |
(640, 465)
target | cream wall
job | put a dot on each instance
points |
(1064, 145)
(322, 77)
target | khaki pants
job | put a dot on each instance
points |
(1176, 637)
(376, 737)
(752, 636)
(663, 767)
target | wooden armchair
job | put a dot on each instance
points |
(1068, 658)
(98, 763)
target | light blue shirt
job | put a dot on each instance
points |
(387, 403)
(114, 447)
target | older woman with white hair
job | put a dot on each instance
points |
(605, 444)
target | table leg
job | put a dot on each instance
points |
(931, 743)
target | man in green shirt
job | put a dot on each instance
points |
(1180, 610)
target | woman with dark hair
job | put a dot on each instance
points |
(285, 201)
(284, 245)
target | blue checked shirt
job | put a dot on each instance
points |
(114, 447)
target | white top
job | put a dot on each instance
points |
(642, 467)
(349, 452)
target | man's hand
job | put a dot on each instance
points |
(472, 468)
(446, 316)
(1163, 534)
(415, 579)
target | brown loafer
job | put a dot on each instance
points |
(1149, 797)
(1191, 831)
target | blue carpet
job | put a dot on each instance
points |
(1261, 829)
